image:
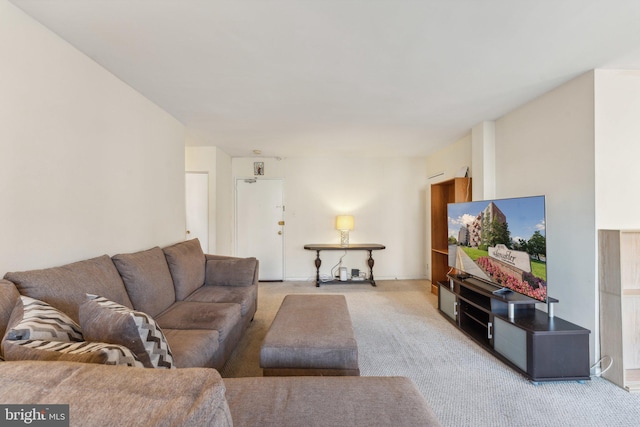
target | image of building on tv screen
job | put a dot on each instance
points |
(501, 241)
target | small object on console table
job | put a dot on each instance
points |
(352, 247)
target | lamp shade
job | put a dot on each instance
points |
(344, 222)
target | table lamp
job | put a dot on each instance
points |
(344, 223)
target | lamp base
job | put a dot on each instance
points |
(344, 238)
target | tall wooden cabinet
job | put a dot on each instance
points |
(619, 283)
(451, 191)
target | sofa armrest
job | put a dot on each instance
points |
(230, 271)
(220, 257)
(117, 395)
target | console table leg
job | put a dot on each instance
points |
(370, 262)
(318, 264)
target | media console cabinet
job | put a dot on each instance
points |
(509, 326)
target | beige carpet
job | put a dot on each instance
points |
(400, 332)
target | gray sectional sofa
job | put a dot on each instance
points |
(202, 303)
(203, 314)
(121, 396)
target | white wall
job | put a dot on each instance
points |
(483, 151)
(546, 147)
(385, 195)
(449, 160)
(89, 166)
(224, 205)
(445, 164)
(617, 118)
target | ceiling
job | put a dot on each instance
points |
(343, 77)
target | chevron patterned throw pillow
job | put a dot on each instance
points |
(106, 321)
(88, 352)
(33, 319)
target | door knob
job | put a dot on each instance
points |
(188, 232)
(279, 233)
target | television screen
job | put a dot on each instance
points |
(502, 242)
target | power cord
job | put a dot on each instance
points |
(339, 264)
(596, 365)
(325, 278)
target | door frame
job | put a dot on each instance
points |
(206, 205)
(235, 219)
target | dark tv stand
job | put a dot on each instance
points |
(539, 346)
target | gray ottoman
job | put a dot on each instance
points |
(310, 335)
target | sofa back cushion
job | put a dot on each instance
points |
(8, 297)
(147, 279)
(187, 265)
(65, 287)
(231, 272)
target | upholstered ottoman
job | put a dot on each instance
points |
(310, 335)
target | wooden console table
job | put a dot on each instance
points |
(353, 247)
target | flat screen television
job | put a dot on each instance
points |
(502, 242)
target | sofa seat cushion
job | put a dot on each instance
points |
(65, 287)
(118, 396)
(230, 271)
(327, 401)
(147, 279)
(36, 320)
(193, 348)
(221, 317)
(85, 352)
(104, 320)
(243, 295)
(187, 265)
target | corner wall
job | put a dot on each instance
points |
(546, 147)
(89, 166)
(617, 149)
(224, 204)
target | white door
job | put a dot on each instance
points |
(260, 225)
(197, 202)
